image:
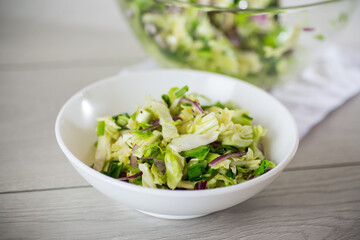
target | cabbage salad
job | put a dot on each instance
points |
(176, 143)
(252, 46)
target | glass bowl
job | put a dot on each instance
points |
(264, 42)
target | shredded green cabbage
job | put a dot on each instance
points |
(250, 46)
(173, 145)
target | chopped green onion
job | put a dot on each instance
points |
(101, 128)
(231, 174)
(244, 115)
(343, 17)
(182, 91)
(117, 171)
(121, 119)
(114, 169)
(320, 37)
(138, 180)
(166, 99)
(186, 104)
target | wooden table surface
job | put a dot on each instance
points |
(49, 50)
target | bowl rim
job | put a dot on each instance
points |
(167, 192)
(250, 10)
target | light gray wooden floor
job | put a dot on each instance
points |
(46, 57)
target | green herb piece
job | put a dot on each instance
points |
(121, 119)
(166, 99)
(182, 91)
(244, 115)
(101, 128)
(199, 152)
(343, 17)
(264, 164)
(114, 169)
(111, 168)
(231, 174)
(210, 173)
(138, 180)
(196, 170)
(186, 104)
(193, 27)
(117, 171)
(320, 37)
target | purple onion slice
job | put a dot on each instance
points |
(200, 185)
(160, 165)
(194, 103)
(260, 18)
(308, 29)
(151, 128)
(130, 177)
(133, 159)
(156, 124)
(226, 156)
(177, 118)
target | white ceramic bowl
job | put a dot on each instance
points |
(76, 124)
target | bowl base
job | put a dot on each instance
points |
(171, 216)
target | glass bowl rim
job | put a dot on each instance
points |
(249, 10)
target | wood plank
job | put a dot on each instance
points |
(37, 33)
(29, 103)
(20, 48)
(311, 204)
(334, 141)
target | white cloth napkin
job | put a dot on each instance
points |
(321, 88)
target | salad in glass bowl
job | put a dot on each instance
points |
(260, 41)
